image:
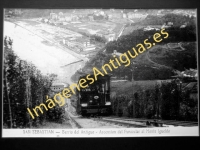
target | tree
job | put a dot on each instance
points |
(24, 87)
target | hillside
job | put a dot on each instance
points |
(175, 57)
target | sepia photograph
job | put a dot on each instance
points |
(100, 73)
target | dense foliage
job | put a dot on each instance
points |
(142, 72)
(24, 87)
(177, 20)
(176, 57)
(184, 59)
(165, 101)
(127, 42)
(175, 60)
(176, 34)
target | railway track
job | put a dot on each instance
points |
(72, 120)
(125, 123)
(75, 124)
(130, 122)
(153, 121)
(115, 122)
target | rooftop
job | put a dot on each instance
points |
(78, 39)
(59, 84)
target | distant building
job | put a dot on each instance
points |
(183, 26)
(114, 14)
(58, 87)
(167, 25)
(79, 44)
(117, 15)
(67, 18)
(124, 15)
(109, 36)
(51, 21)
(13, 11)
(46, 20)
(109, 16)
(10, 12)
(91, 18)
(101, 13)
(81, 13)
(40, 19)
(60, 14)
(170, 23)
(53, 16)
(132, 15)
(148, 28)
(74, 18)
(188, 75)
(116, 53)
(61, 17)
(17, 11)
(65, 23)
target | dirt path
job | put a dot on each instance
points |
(148, 58)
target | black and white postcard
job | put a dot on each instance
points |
(100, 72)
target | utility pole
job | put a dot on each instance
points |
(133, 95)
(132, 80)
